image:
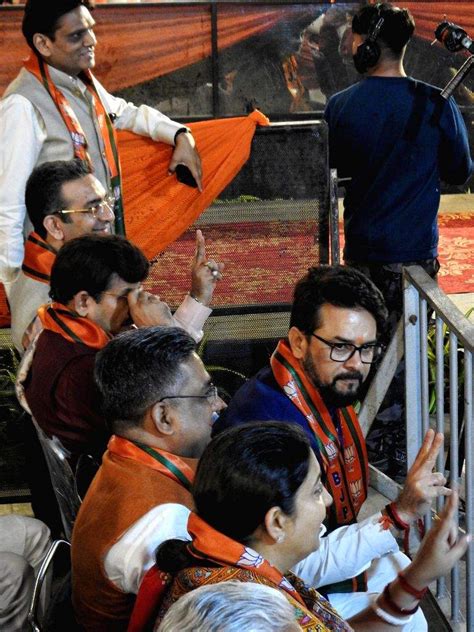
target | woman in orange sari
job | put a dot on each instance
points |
(259, 506)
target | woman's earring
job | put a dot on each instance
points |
(280, 538)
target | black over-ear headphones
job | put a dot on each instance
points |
(368, 53)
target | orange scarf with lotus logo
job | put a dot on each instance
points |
(39, 69)
(342, 455)
(241, 563)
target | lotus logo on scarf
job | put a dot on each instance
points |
(290, 390)
(349, 455)
(331, 450)
(250, 559)
(78, 140)
(356, 489)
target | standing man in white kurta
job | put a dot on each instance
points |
(56, 110)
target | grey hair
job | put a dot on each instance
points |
(231, 607)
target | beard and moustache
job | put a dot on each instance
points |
(329, 392)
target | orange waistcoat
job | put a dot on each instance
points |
(122, 492)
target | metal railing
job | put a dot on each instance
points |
(439, 372)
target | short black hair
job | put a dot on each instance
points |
(136, 368)
(340, 286)
(397, 28)
(244, 472)
(247, 470)
(88, 263)
(43, 189)
(42, 16)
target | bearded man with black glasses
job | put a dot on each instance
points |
(314, 377)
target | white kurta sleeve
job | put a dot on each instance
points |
(346, 552)
(143, 120)
(22, 135)
(191, 317)
(133, 554)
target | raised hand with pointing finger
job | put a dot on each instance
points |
(204, 273)
(440, 550)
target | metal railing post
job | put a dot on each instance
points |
(454, 457)
(334, 218)
(412, 373)
(423, 333)
(469, 448)
(439, 390)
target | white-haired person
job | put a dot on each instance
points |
(231, 607)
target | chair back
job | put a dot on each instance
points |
(86, 468)
(50, 605)
(62, 479)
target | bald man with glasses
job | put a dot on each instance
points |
(314, 377)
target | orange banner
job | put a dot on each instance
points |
(137, 43)
(429, 14)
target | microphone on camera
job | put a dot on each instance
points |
(453, 37)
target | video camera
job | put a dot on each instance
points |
(454, 37)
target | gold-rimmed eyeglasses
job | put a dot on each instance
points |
(107, 204)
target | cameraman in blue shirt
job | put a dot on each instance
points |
(396, 138)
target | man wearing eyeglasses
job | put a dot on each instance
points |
(96, 289)
(65, 200)
(161, 404)
(314, 377)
